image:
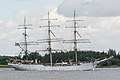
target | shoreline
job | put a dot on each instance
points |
(5, 66)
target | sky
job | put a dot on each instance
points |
(101, 18)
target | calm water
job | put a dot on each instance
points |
(98, 74)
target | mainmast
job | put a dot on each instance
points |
(49, 40)
(75, 39)
(25, 34)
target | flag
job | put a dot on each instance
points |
(17, 44)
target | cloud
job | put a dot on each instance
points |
(102, 19)
(95, 8)
(0, 22)
(9, 33)
(102, 31)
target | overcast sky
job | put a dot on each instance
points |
(96, 8)
(101, 17)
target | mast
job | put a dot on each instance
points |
(49, 40)
(25, 37)
(75, 40)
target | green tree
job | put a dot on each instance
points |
(34, 55)
(3, 61)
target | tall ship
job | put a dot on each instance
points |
(63, 66)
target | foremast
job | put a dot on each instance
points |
(25, 37)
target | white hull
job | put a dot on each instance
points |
(28, 67)
(81, 67)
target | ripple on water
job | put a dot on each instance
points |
(98, 74)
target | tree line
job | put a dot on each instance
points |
(83, 56)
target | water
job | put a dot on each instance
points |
(98, 74)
